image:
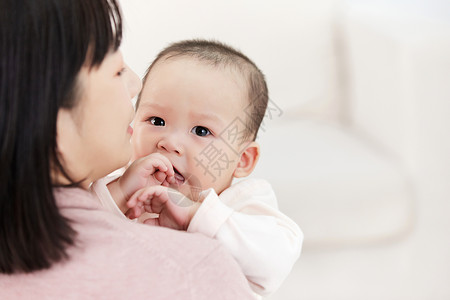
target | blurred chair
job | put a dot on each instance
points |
(351, 179)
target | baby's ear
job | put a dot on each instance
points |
(247, 161)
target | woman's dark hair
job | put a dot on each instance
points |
(43, 46)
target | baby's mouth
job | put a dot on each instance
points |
(189, 186)
(178, 177)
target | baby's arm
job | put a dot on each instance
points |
(174, 209)
(246, 220)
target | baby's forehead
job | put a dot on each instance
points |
(177, 63)
(144, 105)
(232, 69)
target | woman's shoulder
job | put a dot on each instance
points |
(103, 229)
(114, 258)
(165, 261)
(97, 225)
(133, 260)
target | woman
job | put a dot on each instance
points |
(65, 111)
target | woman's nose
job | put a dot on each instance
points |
(133, 82)
(170, 144)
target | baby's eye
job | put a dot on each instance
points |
(200, 131)
(157, 121)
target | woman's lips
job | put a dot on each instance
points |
(130, 130)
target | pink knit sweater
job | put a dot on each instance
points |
(118, 259)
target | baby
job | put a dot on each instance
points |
(197, 118)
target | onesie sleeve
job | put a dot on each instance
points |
(100, 189)
(210, 216)
(246, 220)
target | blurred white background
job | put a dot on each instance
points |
(360, 155)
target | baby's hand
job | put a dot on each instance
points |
(161, 200)
(153, 169)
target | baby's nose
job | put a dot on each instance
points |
(171, 145)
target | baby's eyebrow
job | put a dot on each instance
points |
(152, 105)
(209, 117)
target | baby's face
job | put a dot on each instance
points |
(193, 114)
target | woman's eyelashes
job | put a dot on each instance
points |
(201, 131)
(120, 72)
(156, 121)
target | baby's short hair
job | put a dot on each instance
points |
(220, 54)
